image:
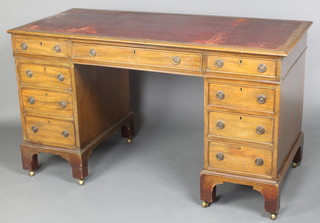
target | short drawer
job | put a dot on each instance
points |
(47, 131)
(45, 75)
(239, 126)
(40, 46)
(236, 158)
(138, 56)
(47, 102)
(239, 96)
(221, 63)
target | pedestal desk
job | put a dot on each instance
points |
(72, 74)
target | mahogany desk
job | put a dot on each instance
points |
(73, 94)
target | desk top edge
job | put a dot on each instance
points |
(52, 27)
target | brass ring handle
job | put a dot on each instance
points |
(63, 104)
(34, 129)
(219, 63)
(259, 162)
(60, 77)
(220, 95)
(57, 48)
(176, 60)
(261, 99)
(24, 46)
(29, 73)
(31, 100)
(260, 130)
(262, 68)
(65, 133)
(220, 124)
(220, 156)
(92, 53)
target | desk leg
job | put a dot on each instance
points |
(127, 130)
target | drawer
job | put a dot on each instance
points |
(51, 132)
(241, 65)
(45, 75)
(138, 56)
(236, 158)
(243, 127)
(240, 96)
(40, 46)
(50, 102)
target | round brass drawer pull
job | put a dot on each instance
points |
(60, 77)
(220, 95)
(65, 133)
(92, 53)
(220, 124)
(261, 99)
(176, 60)
(34, 129)
(260, 130)
(57, 48)
(218, 63)
(259, 162)
(220, 156)
(31, 100)
(24, 46)
(262, 68)
(29, 73)
(63, 104)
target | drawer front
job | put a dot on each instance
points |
(45, 75)
(252, 98)
(40, 46)
(243, 66)
(240, 158)
(138, 56)
(238, 126)
(51, 132)
(49, 102)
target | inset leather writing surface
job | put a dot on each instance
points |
(274, 35)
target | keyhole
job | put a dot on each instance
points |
(40, 43)
(240, 117)
(49, 122)
(240, 62)
(241, 89)
(239, 148)
(46, 94)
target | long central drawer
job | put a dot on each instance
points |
(138, 56)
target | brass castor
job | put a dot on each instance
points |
(273, 216)
(294, 164)
(129, 141)
(205, 204)
(80, 182)
(31, 173)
